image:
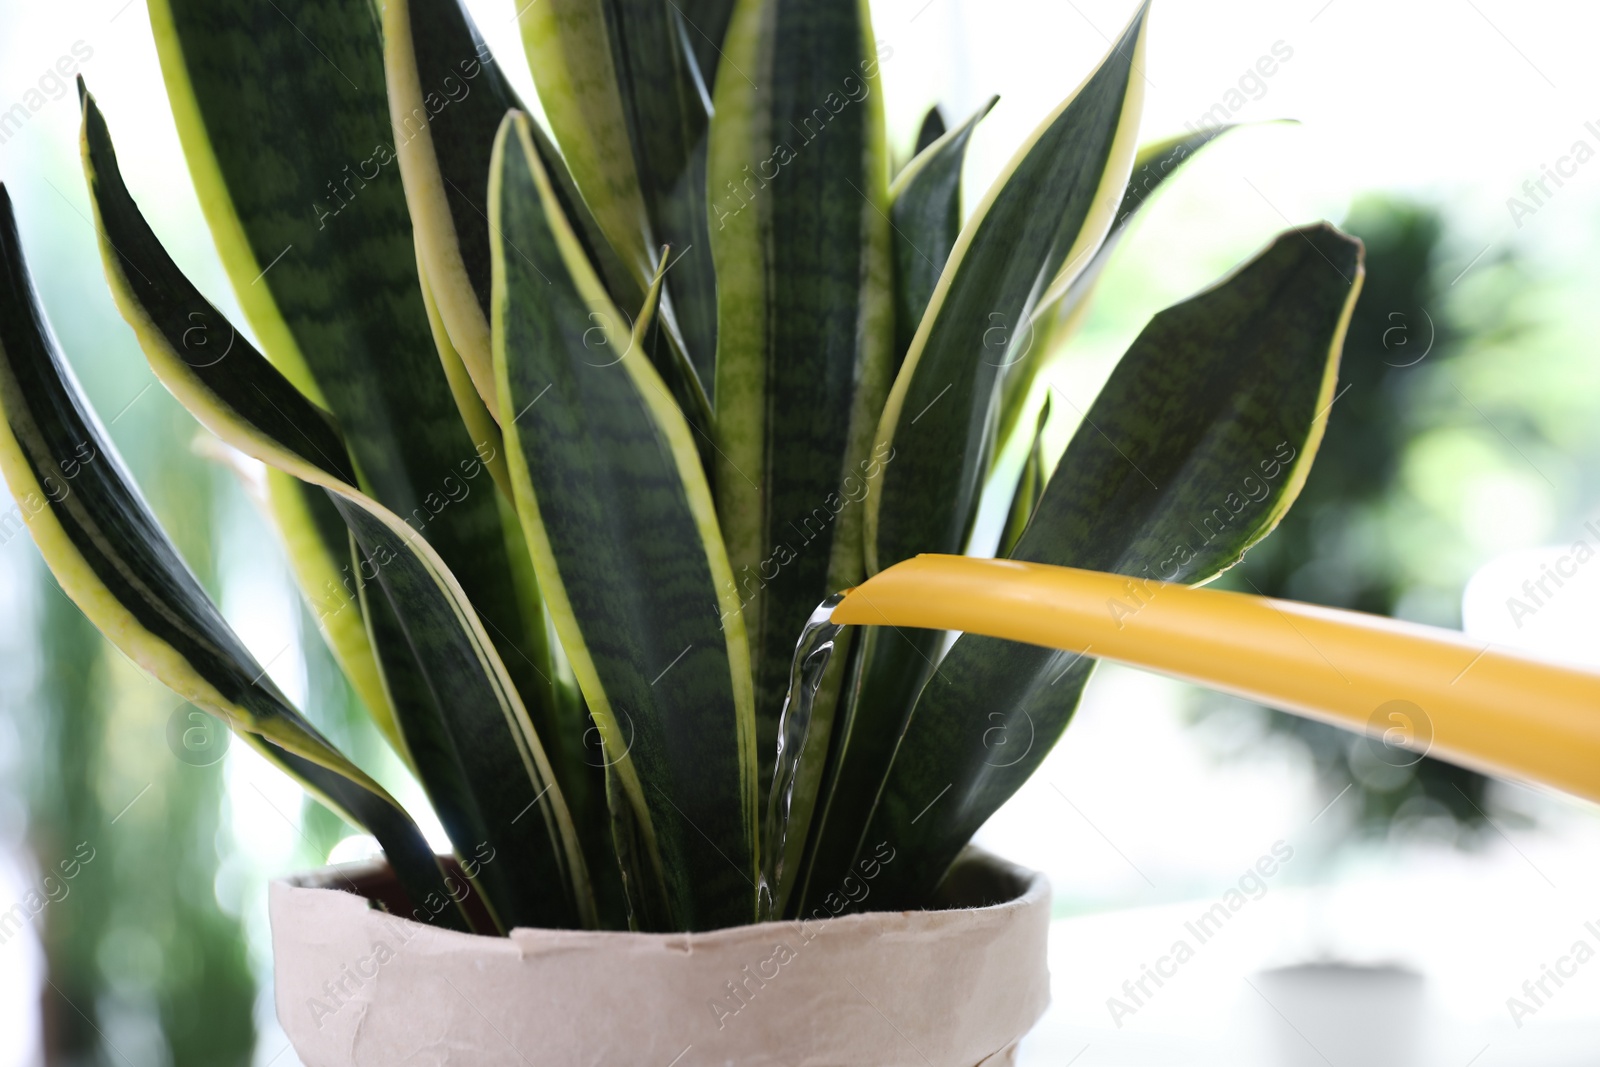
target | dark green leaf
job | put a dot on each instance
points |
(117, 564)
(445, 146)
(447, 95)
(1158, 161)
(464, 725)
(619, 519)
(666, 98)
(927, 222)
(282, 112)
(1048, 333)
(1192, 452)
(1001, 263)
(1030, 487)
(931, 130)
(479, 758)
(801, 238)
(648, 908)
(317, 545)
(627, 85)
(1036, 231)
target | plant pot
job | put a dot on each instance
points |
(1343, 1013)
(955, 987)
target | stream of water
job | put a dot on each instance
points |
(811, 657)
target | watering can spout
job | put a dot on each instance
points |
(1431, 690)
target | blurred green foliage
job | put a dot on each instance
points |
(137, 936)
(1350, 541)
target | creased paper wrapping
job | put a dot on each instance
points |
(358, 987)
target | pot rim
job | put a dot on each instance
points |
(980, 884)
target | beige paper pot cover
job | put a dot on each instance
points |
(359, 987)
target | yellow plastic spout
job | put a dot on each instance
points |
(1435, 691)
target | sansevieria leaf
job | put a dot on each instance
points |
(470, 404)
(627, 85)
(1192, 452)
(568, 43)
(1155, 163)
(801, 236)
(1053, 326)
(619, 518)
(1037, 228)
(282, 113)
(927, 223)
(1034, 233)
(112, 558)
(317, 544)
(464, 724)
(447, 96)
(931, 130)
(1030, 486)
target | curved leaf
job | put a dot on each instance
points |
(559, 716)
(648, 908)
(1002, 263)
(112, 558)
(470, 403)
(317, 546)
(801, 241)
(627, 86)
(662, 47)
(927, 222)
(1158, 161)
(568, 43)
(447, 96)
(1056, 324)
(931, 130)
(282, 113)
(620, 523)
(1030, 487)
(1194, 449)
(463, 721)
(1034, 233)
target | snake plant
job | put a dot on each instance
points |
(568, 430)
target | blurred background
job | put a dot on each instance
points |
(1460, 462)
